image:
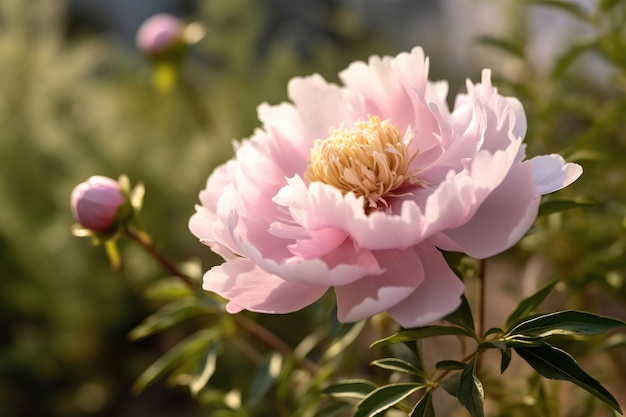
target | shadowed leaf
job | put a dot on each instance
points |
(553, 363)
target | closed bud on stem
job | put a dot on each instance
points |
(99, 203)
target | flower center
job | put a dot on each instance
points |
(371, 159)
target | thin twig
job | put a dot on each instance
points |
(170, 267)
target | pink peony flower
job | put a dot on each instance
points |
(159, 33)
(358, 187)
(96, 201)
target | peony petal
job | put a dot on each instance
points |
(249, 287)
(438, 295)
(551, 173)
(374, 294)
(501, 220)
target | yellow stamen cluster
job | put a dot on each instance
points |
(370, 160)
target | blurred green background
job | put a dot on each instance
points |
(77, 99)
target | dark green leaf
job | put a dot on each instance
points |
(188, 347)
(462, 316)
(421, 333)
(569, 7)
(553, 363)
(506, 359)
(529, 304)
(562, 323)
(514, 48)
(424, 407)
(399, 365)
(350, 388)
(415, 346)
(385, 397)
(492, 344)
(556, 206)
(451, 384)
(471, 394)
(264, 378)
(169, 315)
(449, 365)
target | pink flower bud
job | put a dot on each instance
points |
(96, 201)
(159, 33)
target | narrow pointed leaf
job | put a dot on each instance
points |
(471, 394)
(169, 315)
(449, 365)
(557, 206)
(185, 348)
(381, 399)
(553, 363)
(529, 304)
(563, 323)
(512, 47)
(451, 384)
(421, 333)
(506, 359)
(424, 407)
(462, 316)
(205, 370)
(399, 365)
(350, 388)
(264, 378)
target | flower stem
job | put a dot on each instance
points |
(144, 240)
(481, 290)
(259, 332)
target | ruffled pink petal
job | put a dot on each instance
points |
(437, 296)
(374, 294)
(501, 220)
(321, 106)
(387, 85)
(248, 287)
(551, 173)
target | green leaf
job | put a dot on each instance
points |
(399, 365)
(566, 59)
(421, 333)
(553, 363)
(462, 316)
(529, 304)
(424, 407)
(449, 365)
(451, 384)
(345, 338)
(205, 369)
(186, 348)
(513, 47)
(562, 323)
(557, 206)
(506, 359)
(169, 315)
(264, 378)
(471, 394)
(379, 400)
(168, 289)
(350, 388)
(569, 7)
(333, 409)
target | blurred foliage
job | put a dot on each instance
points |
(72, 107)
